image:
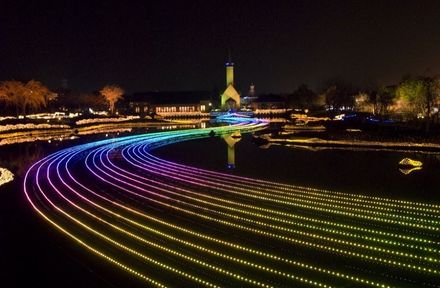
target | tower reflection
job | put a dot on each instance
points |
(231, 140)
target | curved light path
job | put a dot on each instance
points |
(172, 225)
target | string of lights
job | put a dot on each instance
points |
(170, 224)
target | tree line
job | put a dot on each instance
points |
(33, 96)
(413, 97)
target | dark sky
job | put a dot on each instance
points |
(182, 45)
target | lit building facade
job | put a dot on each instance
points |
(171, 103)
(269, 101)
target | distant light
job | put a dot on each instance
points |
(339, 117)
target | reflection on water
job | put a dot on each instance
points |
(231, 140)
(29, 245)
(19, 150)
(19, 137)
(407, 171)
(409, 165)
(369, 172)
(363, 172)
(366, 149)
(344, 169)
(17, 158)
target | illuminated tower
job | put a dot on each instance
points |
(230, 99)
(252, 90)
(229, 73)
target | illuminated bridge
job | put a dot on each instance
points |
(171, 225)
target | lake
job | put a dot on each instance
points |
(33, 250)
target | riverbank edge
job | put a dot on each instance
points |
(19, 136)
(318, 142)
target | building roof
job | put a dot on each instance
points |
(230, 93)
(170, 97)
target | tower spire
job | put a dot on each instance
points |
(229, 70)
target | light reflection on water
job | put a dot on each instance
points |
(349, 170)
(367, 172)
(371, 172)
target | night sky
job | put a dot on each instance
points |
(182, 45)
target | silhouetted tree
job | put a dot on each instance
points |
(339, 95)
(302, 98)
(384, 99)
(92, 100)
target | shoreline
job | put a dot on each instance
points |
(318, 142)
(74, 131)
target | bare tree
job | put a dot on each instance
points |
(112, 94)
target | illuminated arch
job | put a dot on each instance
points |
(230, 93)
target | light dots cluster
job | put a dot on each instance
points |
(198, 226)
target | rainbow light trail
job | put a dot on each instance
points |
(172, 225)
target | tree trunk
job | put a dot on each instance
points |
(427, 125)
(428, 114)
